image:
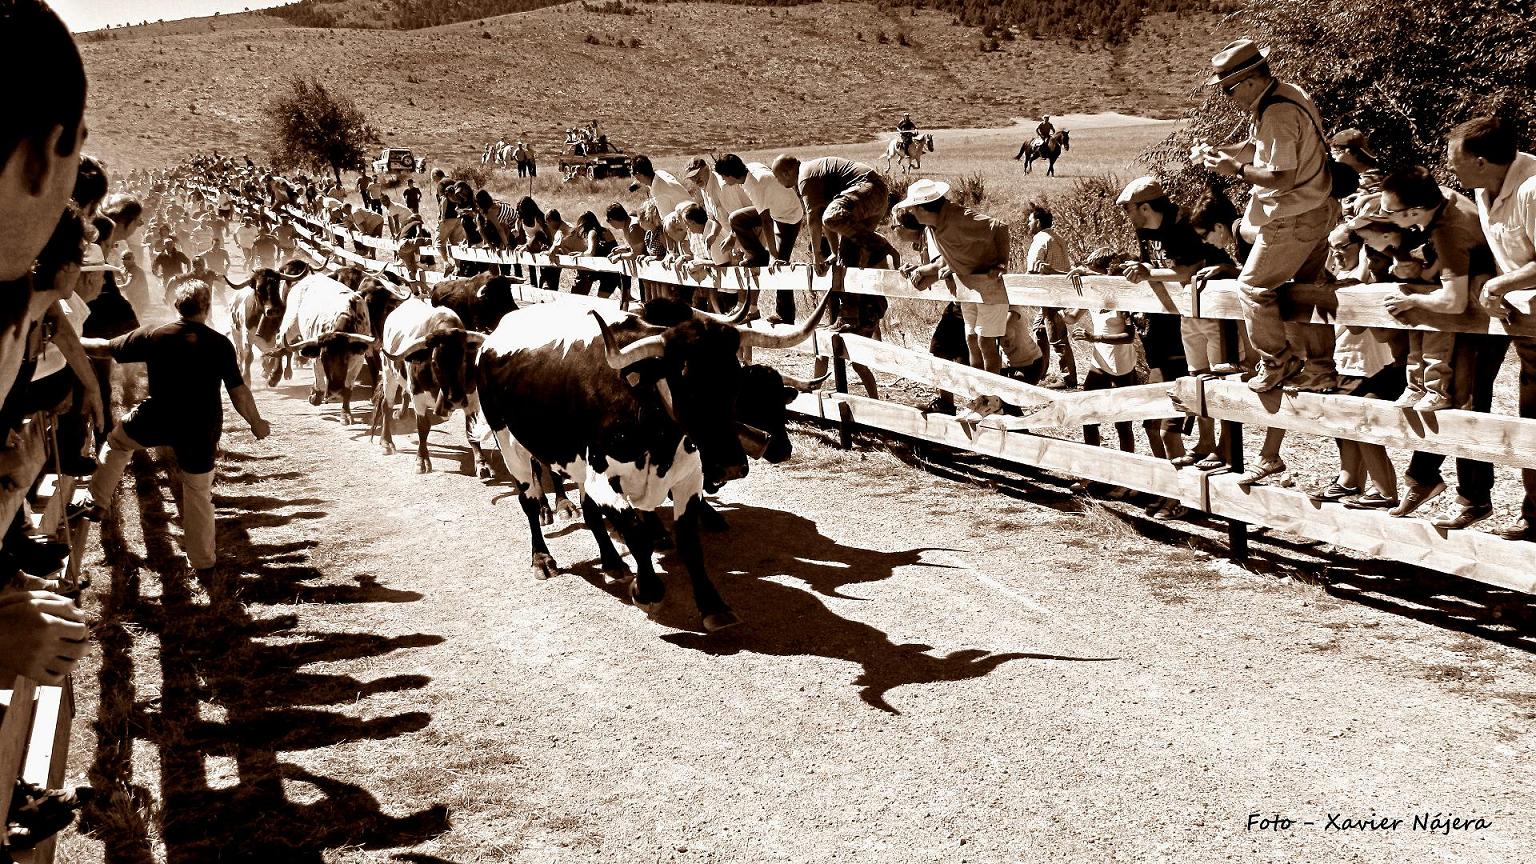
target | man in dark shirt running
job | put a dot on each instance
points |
(187, 361)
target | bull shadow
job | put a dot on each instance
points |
(785, 621)
(229, 693)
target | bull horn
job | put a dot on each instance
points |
(784, 336)
(302, 344)
(357, 337)
(736, 316)
(634, 352)
(474, 337)
(805, 385)
(290, 279)
(239, 286)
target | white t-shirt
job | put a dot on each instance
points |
(767, 193)
(1359, 354)
(1115, 358)
(669, 192)
(1509, 220)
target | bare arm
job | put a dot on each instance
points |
(245, 406)
(74, 355)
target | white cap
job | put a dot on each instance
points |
(923, 192)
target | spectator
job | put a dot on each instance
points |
(135, 286)
(497, 220)
(375, 195)
(771, 222)
(1047, 254)
(362, 190)
(1112, 354)
(667, 191)
(1352, 149)
(973, 249)
(187, 360)
(860, 314)
(841, 199)
(1290, 213)
(1485, 156)
(398, 216)
(411, 195)
(598, 243)
(364, 222)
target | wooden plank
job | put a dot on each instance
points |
(957, 378)
(44, 764)
(1137, 471)
(1141, 402)
(15, 731)
(1471, 554)
(1496, 438)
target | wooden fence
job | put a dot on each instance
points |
(1501, 440)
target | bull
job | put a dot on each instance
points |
(429, 354)
(327, 321)
(631, 413)
(256, 314)
(479, 301)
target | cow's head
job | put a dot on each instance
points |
(445, 365)
(493, 300)
(271, 287)
(761, 405)
(699, 381)
(340, 352)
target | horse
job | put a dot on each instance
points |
(1049, 150)
(900, 152)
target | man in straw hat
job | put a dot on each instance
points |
(1285, 160)
(972, 248)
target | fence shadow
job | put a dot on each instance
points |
(226, 692)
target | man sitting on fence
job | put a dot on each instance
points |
(187, 362)
(1485, 156)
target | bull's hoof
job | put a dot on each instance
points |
(566, 510)
(649, 607)
(546, 516)
(544, 567)
(314, 399)
(720, 621)
(620, 574)
(423, 466)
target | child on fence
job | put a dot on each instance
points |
(1111, 346)
(1370, 368)
(1453, 253)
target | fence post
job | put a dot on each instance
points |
(1232, 436)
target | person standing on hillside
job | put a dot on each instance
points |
(1485, 156)
(1290, 214)
(187, 361)
(412, 195)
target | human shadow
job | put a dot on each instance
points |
(227, 692)
(785, 621)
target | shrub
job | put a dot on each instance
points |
(969, 190)
(883, 39)
(309, 127)
(1086, 218)
(473, 173)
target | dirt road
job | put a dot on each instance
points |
(929, 670)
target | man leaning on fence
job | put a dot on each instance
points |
(1290, 213)
(1484, 154)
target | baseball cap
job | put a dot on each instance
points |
(696, 166)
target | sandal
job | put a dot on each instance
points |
(1189, 459)
(1171, 510)
(37, 814)
(1211, 463)
(1260, 471)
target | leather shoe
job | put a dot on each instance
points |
(1520, 530)
(1415, 497)
(1466, 517)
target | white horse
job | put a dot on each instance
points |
(909, 157)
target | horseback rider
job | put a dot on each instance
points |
(907, 130)
(1043, 133)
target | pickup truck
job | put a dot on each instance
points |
(394, 160)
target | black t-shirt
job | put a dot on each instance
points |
(412, 197)
(187, 362)
(1175, 244)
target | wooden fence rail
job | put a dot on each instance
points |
(1498, 439)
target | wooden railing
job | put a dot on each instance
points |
(1502, 440)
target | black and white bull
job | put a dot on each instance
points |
(256, 315)
(327, 321)
(632, 414)
(428, 353)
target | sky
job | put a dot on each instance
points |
(82, 15)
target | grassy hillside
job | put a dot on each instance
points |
(703, 76)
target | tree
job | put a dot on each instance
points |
(1402, 71)
(311, 128)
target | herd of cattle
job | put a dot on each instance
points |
(633, 409)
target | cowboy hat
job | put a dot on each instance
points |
(923, 192)
(1235, 61)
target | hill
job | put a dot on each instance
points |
(694, 77)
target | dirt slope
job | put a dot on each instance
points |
(704, 77)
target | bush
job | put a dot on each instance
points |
(473, 173)
(883, 39)
(1403, 71)
(1086, 218)
(969, 190)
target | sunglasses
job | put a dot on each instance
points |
(1229, 89)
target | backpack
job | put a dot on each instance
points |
(1343, 180)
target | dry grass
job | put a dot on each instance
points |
(800, 78)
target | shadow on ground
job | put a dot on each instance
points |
(226, 691)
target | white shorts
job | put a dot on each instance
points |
(985, 319)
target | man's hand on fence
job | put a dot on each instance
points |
(1400, 304)
(1493, 302)
(1135, 272)
(1076, 274)
(924, 276)
(42, 636)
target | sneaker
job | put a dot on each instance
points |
(1432, 402)
(1520, 530)
(1056, 382)
(1313, 382)
(1409, 398)
(1269, 377)
(88, 510)
(1078, 487)
(1334, 492)
(1416, 496)
(1370, 501)
(1465, 517)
